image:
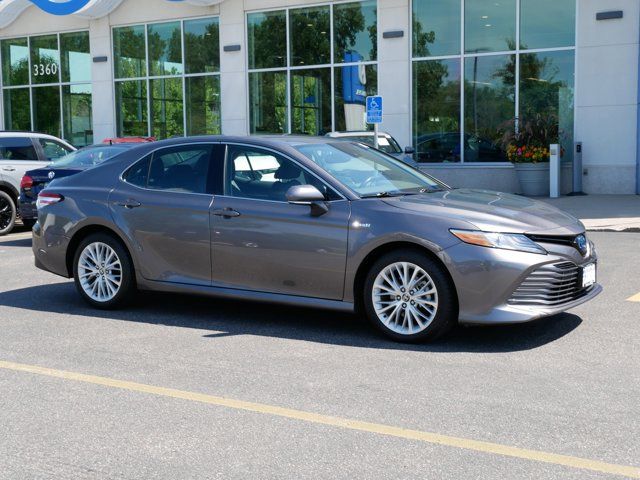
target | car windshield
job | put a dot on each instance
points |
(368, 172)
(386, 144)
(87, 157)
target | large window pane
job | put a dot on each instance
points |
(129, 52)
(165, 49)
(267, 38)
(489, 26)
(268, 102)
(546, 92)
(76, 109)
(436, 110)
(436, 27)
(45, 59)
(17, 111)
(131, 108)
(352, 85)
(46, 110)
(15, 62)
(489, 83)
(167, 115)
(547, 23)
(355, 31)
(309, 36)
(203, 105)
(201, 45)
(75, 57)
(311, 101)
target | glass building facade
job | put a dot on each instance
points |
(46, 85)
(481, 68)
(311, 68)
(167, 78)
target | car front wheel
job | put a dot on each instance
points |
(409, 297)
(103, 272)
(7, 213)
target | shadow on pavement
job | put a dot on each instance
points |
(20, 242)
(229, 318)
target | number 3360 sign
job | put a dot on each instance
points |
(40, 69)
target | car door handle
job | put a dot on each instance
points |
(226, 213)
(9, 169)
(129, 204)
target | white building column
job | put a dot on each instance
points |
(233, 72)
(394, 68)
(103, 104)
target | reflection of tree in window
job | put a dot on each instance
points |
(355, 29)
(165, 49)
(310, 30)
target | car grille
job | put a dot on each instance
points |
(550, 285)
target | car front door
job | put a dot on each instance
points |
(263, 243)
(162, 204)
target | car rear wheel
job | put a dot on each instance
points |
(103, 272)
(409, 297)
(7, 213)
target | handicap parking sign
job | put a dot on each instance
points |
(374, 109)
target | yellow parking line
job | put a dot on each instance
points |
(635, 298)
(428, 437)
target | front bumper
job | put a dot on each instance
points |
(488, 280)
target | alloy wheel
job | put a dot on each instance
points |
(100, 272)
(405, 298)
(6, 213)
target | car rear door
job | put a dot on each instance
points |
(17, 155)
(162, 204)
(261, 242)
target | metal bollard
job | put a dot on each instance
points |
(554, 172)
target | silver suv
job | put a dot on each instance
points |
(19, 152)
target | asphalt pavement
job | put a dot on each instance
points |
(189, 387)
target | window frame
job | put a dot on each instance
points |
(462, 56)
(332, 66)
(299, 164)
(60, 84)
(148, 78)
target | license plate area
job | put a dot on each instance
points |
(588, 275)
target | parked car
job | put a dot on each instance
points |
(115, 140)
(386, 143)
(19, 152)
(313, 222)
(34, 181)
(445, 147)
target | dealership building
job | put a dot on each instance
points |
(456, 75)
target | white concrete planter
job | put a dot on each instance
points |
(533, 178)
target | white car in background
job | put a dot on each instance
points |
(19, 152)
(386, 144)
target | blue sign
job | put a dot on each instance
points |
(61, 8)
(354, 79)
(374, 109)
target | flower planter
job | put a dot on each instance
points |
(533, 178)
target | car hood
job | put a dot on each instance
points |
(493, 211)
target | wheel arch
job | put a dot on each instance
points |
(381, 250)
(83, 233)
(10, 190)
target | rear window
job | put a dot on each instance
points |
(88, 157)
(17, 148)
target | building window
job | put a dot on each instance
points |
(480, 65)
(46, 85)
(311, 68)
(167, 78)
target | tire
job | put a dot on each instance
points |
(99, 285)
(7, 213)
(29, 223)
(406, 308)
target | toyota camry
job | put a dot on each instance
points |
(313, 222)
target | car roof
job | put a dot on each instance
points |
(356, 133)
(11, 133)
(257, 140)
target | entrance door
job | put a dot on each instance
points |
(261, 242)
(163, 207)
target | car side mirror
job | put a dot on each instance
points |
(308, 195)
(409, 150)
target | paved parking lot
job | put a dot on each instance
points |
(187, 387)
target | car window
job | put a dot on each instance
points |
(18, 148)
(386, 144)
(264, 175)
(178, 169)
(87, 157)
(52, 149)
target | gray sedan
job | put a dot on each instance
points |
(311, 222)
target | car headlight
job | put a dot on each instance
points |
(507, 241)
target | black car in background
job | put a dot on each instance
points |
(36, 180)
